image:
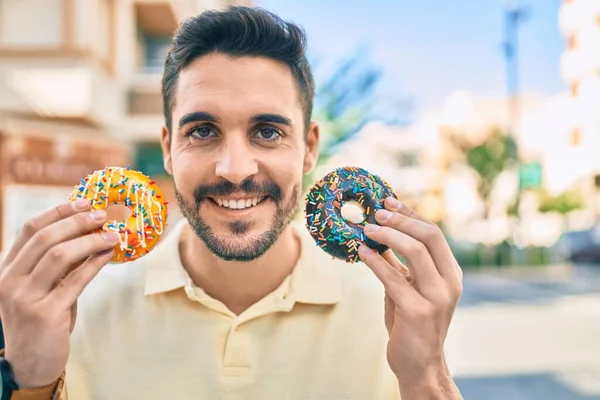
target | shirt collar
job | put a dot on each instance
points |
(314, 280)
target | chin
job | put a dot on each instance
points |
(236, 243)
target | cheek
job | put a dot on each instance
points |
(286, 170)
(188, 172)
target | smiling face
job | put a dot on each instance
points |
(237, 151)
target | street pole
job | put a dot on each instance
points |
(514, 16)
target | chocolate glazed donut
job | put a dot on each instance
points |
(332, 232)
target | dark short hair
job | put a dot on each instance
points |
(238, 31)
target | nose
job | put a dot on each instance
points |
(236, 162)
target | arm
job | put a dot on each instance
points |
(54, 391)
(438, 385)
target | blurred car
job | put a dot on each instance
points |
(581, 246)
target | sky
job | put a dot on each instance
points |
(429, 49)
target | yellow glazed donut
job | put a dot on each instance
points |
(115, 185)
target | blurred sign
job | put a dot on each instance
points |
(38, 172)
(530, 175)
(47, 161)
(24, 169)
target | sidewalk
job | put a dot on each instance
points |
(528, 334)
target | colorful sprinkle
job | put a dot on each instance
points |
(112, 186)
(323, 203)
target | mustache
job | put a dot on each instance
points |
(249, 186)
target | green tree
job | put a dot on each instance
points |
(487, 159)
(345, 100)
(563, 203)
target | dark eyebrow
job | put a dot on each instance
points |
(271, 118)
(197, 116)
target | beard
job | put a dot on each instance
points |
(238, 246)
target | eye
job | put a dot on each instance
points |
(202, 132)
(268, 133)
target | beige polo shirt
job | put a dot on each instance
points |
(145, 331)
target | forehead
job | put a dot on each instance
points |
(217, 82)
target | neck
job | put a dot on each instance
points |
(238, 285)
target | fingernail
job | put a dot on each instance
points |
(394, 203)
(365, 250)
(370, 228)
(110, 237)
(383, 215)
(81, 204)
(98, 215)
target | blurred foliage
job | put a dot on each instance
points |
(345, 100)
(487, 159)
(563, 203)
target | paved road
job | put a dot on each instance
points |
(532, 335)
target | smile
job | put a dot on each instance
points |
(238, 204)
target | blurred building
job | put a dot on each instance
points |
(401, 156)
(579, 21)
(80, 90)
(580, 64)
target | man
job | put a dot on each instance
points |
(237, 302)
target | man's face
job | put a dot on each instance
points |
(238, 152)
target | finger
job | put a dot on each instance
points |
(38, 223)
(405, 219)
(419, 261)
(395, 284)
(61, 231)
(67, 292)
(59, 259)
(391, 258)
(393, 204)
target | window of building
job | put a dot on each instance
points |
(156, 48)
(148, 158)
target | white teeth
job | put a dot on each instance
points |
(238, 204)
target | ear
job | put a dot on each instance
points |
(312, 147)
(165, 144)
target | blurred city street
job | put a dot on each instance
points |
(528, 334)
(482, 116)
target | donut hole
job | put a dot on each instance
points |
(353, 212)
(118, 212)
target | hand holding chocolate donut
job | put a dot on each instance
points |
(420, 298)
